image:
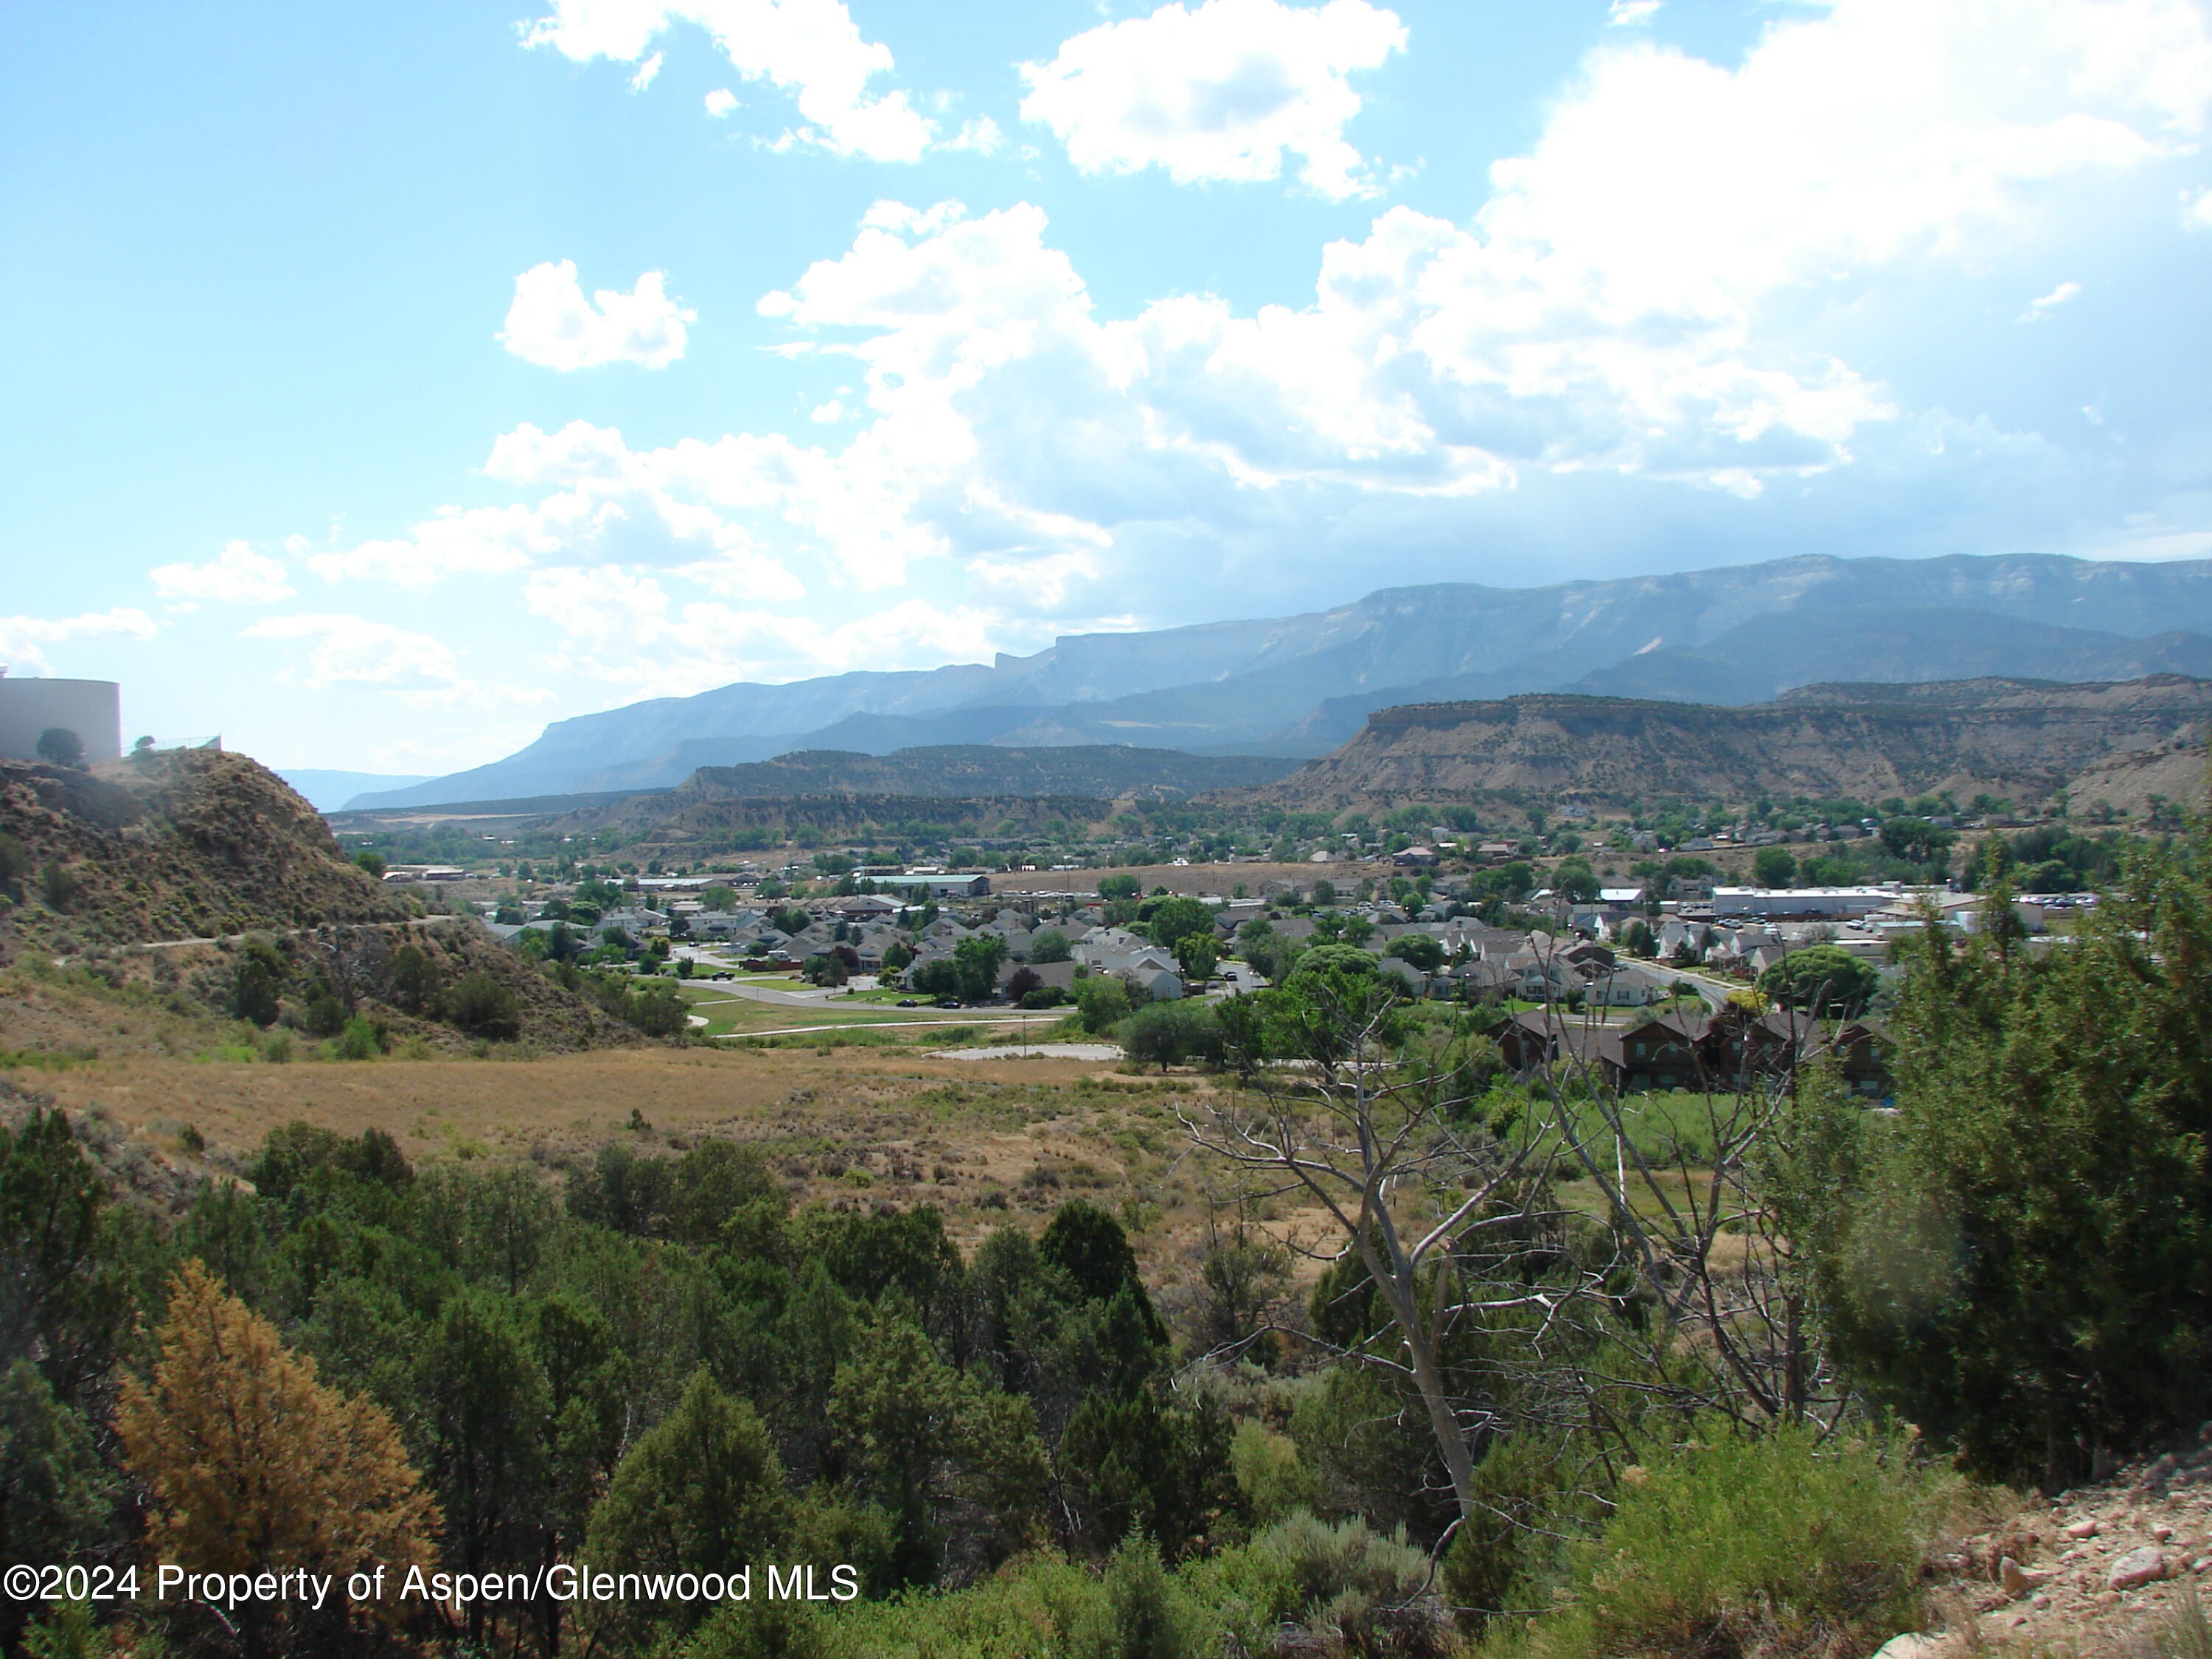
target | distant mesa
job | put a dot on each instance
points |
(1295, 688)
(2015, 738)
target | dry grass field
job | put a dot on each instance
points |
(987, 1141)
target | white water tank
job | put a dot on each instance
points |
(91, 709)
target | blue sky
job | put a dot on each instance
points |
(386, 381)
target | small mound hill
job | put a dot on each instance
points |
(151, 873)
(188, 844)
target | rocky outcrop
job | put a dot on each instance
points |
(2021, 739)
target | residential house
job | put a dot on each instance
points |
(867, 906)
(1050, 976)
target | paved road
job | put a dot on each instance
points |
(1038, 1051)
(812, 997)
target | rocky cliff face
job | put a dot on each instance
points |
(2010, 737)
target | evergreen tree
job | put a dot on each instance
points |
(2020, 1259)
(253, 1465)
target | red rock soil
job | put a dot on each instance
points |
(2096, 1571)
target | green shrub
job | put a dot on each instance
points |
(255, 983)
(1140, 1615)
(1489, 1552)
(761, 1629)
(483, 1007)
(658, 1011)
(1777, 1544)
(1368, 1593)
(1274, 1478)
(14, 860)
(1103, 1001)
(357, 1040)
(1167, 1033)
(57, 886)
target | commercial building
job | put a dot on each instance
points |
(925, 886)
(1825, 903)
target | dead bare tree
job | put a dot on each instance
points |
(1687, 1193)
(1375, 1131)
(354, 962)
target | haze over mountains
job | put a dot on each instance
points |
(1299, 686)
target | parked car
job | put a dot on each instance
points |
(908, 1002)
(949, 1002)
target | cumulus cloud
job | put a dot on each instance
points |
(552, 324)
(342, 649)
(237, 575)
(1642, 301)
(1626, 14)
(1226, 92)
(2198, 215)
(980, 134)
(622, 627)
(23, 639)
(2044, 304)
(721, 101)
(809, 48)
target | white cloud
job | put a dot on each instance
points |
(350, 650)
(22, 639)
(552, 324)
(2043, 304)
(346, 650)
(1226, 92)
(720, 102)
(2198, 215)
(237, 575)
(810, 48)
(911, 222)
(1626, 14)
(646, 72)
(1646, 296)
(625, 629)
(982, 135)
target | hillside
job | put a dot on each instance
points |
(186, 844)
(2008, 737)
(1299, 685)
(677, 825)
(1101, 772)
(149, 872)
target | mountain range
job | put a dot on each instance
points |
(1296, 687)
